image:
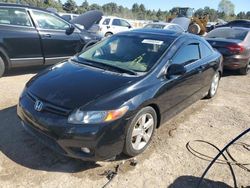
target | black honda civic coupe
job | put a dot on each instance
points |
(110, 98)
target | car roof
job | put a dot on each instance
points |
(242, 20)
(23, 6)
(238, 28)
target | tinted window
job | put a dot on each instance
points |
(116, 22)
(228, 33)
(106, 21)
(14, 16)
(187, 54)
(48, 21)
(129, 52)
(205, 50)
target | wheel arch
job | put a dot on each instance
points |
(158, 113)
(5, 58)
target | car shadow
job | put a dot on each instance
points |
(227, 73)
(22, 148)
(192, 182)
(24, 70)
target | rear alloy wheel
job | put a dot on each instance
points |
(244, 71)
(2, 67)
(214, 85)
(140, 131)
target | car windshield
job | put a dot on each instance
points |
(228, 33)
(133, 53)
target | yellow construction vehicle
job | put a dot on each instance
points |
(196, 25)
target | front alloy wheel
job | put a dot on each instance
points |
(140, 131)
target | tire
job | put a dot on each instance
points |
(244, 71)
(108, 34)
(2, 67)
(214, 85)
(136, 144)
(194, 29)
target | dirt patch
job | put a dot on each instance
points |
(166, 163)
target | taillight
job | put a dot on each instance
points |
(236, 48)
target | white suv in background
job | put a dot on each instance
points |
(110, 25)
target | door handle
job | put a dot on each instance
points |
(46, 35)
(201, 68)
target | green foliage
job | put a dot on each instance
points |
(227, 7)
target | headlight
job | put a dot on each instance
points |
(84, 117)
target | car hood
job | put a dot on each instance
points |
(88, 18)
(72, 85)
(182, 21)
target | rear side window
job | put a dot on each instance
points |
(205, 50)
(187, 54)
(14, 16)
(228, 33)
(106, 21)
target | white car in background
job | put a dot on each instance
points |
(68, 16)
(110, 25)
(163, 25)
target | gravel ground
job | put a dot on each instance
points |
(167, 163)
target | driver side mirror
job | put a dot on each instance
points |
(176, 70)
(129, 26)
(70, 29)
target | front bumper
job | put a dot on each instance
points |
(104, 140)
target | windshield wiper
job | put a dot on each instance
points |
(105, 66)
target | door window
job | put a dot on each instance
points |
(48, 21)
(116, 22)
(14, 16)
(187, 54)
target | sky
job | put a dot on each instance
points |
(240, 5)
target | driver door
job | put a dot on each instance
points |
(56, 44)
(178, 91)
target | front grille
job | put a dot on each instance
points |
(49, 107)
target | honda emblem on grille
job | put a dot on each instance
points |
(38, 106)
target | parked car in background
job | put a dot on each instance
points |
(110, 25)
(67, 16)
(236, 23)
(212, 25)
(234, 44)
(32, 36)
(163, 25)
(111, 98)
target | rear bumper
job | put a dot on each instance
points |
(104, 141)
(233, 63)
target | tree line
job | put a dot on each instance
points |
(225, 11)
